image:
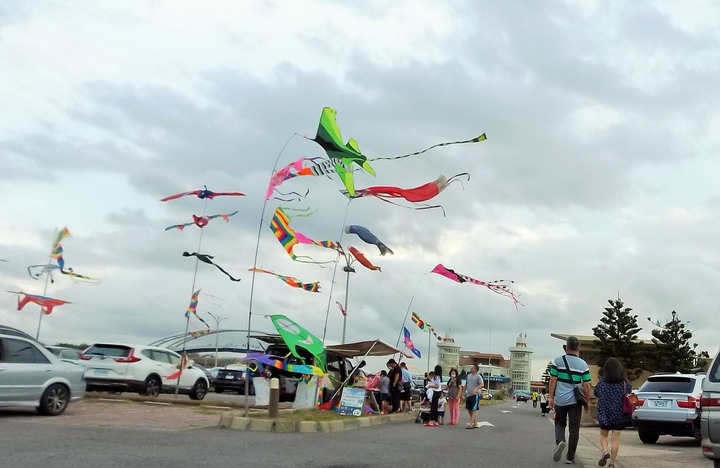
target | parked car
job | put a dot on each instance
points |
(485, 394)
(233, 378)
(33, 377)
(148, 370)
(65, 354)
(668, 404)
(710, 414)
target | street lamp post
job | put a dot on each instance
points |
(217, 333)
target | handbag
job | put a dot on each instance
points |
(629, 404)
(578, 390)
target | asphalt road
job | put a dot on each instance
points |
(518, 437)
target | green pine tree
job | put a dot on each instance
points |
(673, 352)
(617, 337)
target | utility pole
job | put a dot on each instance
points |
(217, 333)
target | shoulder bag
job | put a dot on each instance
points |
(578, 390)
(630, 402)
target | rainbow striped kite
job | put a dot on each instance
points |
(289, 238)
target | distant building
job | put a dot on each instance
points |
(492, 367)
(520, 364)
(448, 354)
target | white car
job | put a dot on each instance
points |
(31, 376)
(148, 370)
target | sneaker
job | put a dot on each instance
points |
(559, 451)
(603, 460)
(569, 462)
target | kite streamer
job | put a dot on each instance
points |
(46, 303)
(57, 252)
(289, 238)
(203, 194)
(193, 304)
(424, 326)
(205, 258)
(497, 286)
(409, 343)
(342, 309)
(202, 221)
(289, 280)
(366, 236)
(482, 137)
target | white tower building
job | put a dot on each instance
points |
(448, 353)
(520, 364)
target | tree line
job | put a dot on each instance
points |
(617, 336)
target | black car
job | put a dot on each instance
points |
(522, 396)
(232, 379)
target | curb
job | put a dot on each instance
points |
(242, 423)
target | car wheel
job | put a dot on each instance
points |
(199, 390)
(54, 401)
(716, 463)
(152, 386)
(648, 438)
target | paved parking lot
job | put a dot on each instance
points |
(92, 412)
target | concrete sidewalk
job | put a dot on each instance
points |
(669, 452)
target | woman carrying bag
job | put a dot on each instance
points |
(611, 391)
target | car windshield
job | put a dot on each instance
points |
(109, 350)
(668, 384)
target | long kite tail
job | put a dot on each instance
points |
(228, 274)
(482, 137)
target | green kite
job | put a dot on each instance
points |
(294, 335)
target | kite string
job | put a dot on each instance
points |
(55, 232)
(332, 282)
(482, 137)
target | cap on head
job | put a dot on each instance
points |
(573, 343)
(391, 361)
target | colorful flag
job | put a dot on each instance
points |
(409, 343)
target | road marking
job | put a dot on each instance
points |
(216, 407)
(505, 411)
(485, 423)
(162, 403)
(113, 400)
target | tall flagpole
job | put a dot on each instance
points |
(47, 278)
(252, 280)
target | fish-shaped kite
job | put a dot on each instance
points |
(289, 280)
(202, 221)
(289, 238)
(366, 236)
(417, 194)
(205, 258)
(497, 286)
(362, 260)
(279, 362)
(46, 303)
(203, 194)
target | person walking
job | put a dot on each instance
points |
(454, 392)
(566, 372)
(474, 383)
(611, 390)
(543, 402)
(534, 398)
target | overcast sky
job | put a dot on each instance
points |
(598, 177)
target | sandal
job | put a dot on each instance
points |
(603, 460)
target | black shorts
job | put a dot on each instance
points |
(406, 392)
(472, 403)
(616, 427)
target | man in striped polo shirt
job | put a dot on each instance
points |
(566, 372)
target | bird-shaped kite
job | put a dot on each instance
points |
(203, 194)
(202, 221)
(46, 303)
(205, 258)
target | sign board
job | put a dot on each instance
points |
(352, 401)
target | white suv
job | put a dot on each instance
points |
(148, 370)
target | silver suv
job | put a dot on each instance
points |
(148, 370)
(710, 416)
(669, 405)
